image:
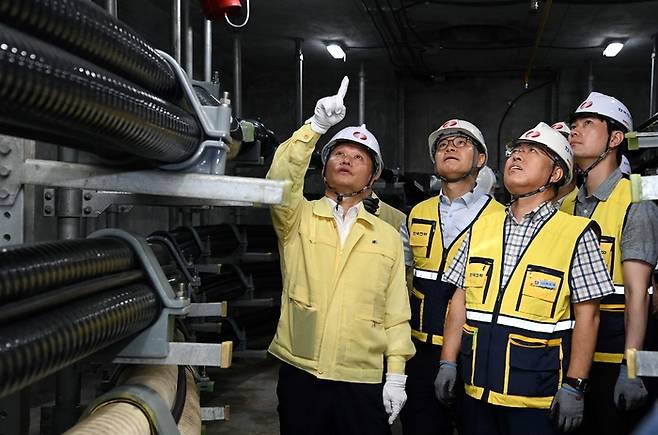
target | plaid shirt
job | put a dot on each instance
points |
(589, 276)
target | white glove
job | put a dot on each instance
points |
(394, 395)
(329, 111)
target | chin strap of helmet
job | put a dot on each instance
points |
(340, 196)
(581, 174)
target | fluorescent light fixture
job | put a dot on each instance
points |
(613, 49)
(336, 51)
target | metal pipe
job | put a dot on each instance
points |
(652, 93)
(176, 29)
(237, 76)
(299, 82)
(362, 94)
(207, 60)
(111, 6)
(189, 53)
(590, 79)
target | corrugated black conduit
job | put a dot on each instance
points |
(42, 345)
(45, 90)
(27, 270)
(85, 29)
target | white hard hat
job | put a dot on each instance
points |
(562, 127)
(358, 135)
(458, 126)
(486, 180)
(553, 140)
(606, 106)
(625, 166)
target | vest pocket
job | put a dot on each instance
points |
(417, 303)
(476, 281)
(539, 292)
(467, 353)
(534, 366)
(421, 234)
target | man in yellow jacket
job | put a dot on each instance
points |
(344, 307)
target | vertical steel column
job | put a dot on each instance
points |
(189, 53)
(207, 46)
(68, 380)
(362, 94)
(299, 83)
(652, 93)
(237, 76)
(111, 6)
(176, 23)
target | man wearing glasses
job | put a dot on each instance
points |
(436, 227)
(524, 317)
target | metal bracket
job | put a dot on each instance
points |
(49, 202)
(12, 221)
(641, 363)
(208, 309)
(147, 400)
(190, 354)
(203, 188)
(11, 158)
(216, 413)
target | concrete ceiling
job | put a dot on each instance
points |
(427, 39)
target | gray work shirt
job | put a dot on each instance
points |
(639, 240)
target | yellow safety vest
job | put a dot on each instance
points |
(430, 297)
(517, 339)
(611, 216)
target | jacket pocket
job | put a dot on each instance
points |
(467, 353)
(367, 339)
(421, 235)
(539, 293)
(534, 366)
(303, 328)
(417, 304)
(477, 280)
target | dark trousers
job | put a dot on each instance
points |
(312, 406)
(423, 414)
(481, 418)
(601, 415)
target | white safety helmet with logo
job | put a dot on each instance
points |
(557, 145)
(607, 107)
(455, 127)
(563, 128)
(358, 135)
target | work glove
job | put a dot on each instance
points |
(629, 393)
(329, 111)
(371, 205)
(394, 395)
(567, 408)
(444, 384)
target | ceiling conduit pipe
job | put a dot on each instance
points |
(299, 82)
(653, 95)
(540, 31)
(362, 95)
(237, 76)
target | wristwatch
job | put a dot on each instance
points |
(578, 383)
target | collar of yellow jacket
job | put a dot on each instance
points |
(323, 208)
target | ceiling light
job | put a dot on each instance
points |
(613, 49)
(336, 51)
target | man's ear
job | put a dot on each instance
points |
(616, 138)
(558, 174)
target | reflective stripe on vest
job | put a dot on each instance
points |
(430, 296)
(516, 340)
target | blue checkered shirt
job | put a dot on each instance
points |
(589, 276)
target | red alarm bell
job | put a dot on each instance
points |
(215, 9)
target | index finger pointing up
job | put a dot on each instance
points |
(343, 87)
